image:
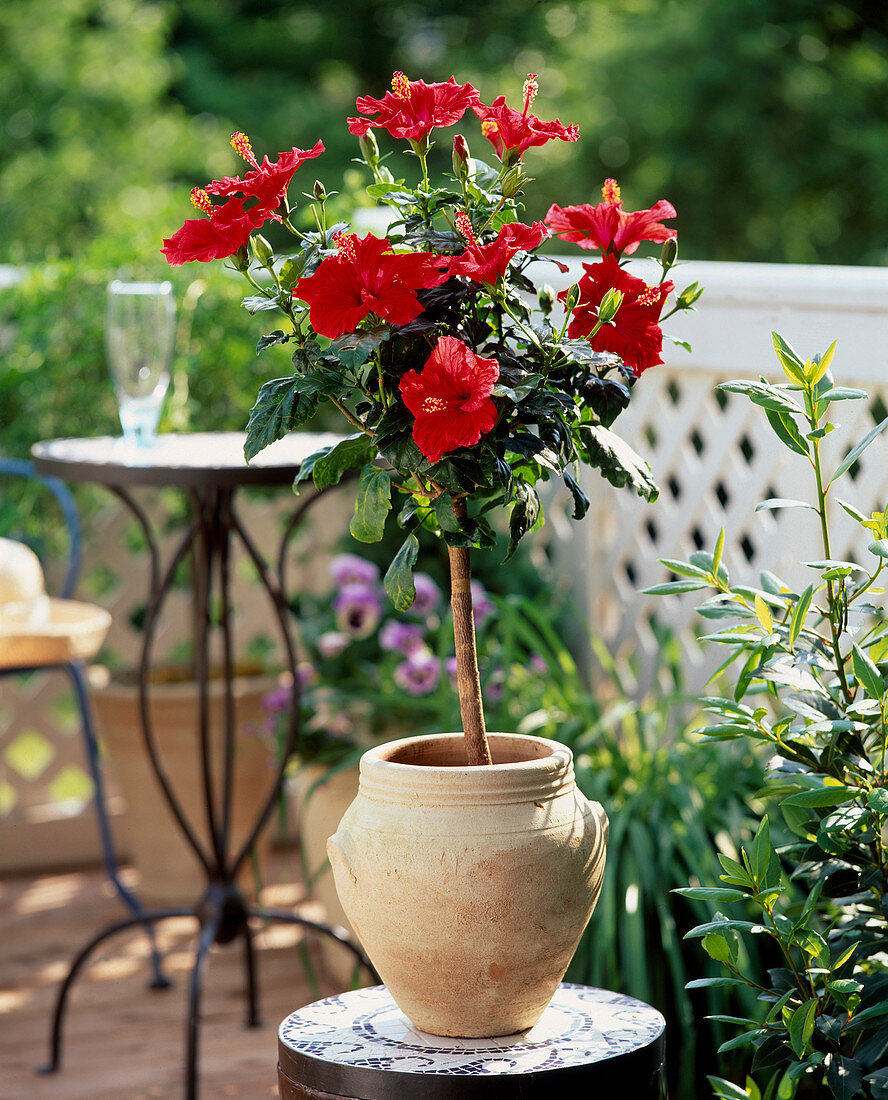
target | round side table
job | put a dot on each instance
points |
(360, 1046)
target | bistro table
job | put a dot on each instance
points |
(209, 468)
(589, 1042)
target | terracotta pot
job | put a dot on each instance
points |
(470, 887)
(319, 816)
(169, 871)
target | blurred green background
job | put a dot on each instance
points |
(763, 121)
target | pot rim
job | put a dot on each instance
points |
(539, 777)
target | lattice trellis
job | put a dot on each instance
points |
(44, 788)
(715, 456)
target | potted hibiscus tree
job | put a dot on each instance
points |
(463, 397)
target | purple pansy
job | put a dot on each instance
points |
(400, 637)
(351, 569)
(419, 674)
(358, 610)
(428, 595)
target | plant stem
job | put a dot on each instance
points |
(830, 591)
(467, 675)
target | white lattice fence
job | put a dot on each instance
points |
(45, 818)
(715, 456)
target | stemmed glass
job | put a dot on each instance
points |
(140, 330)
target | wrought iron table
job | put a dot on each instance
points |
(209, 468)
(589, 1042)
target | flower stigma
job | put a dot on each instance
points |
(400, 85)
(611, 191)
(464, 225)
(201, 201)
(531, 87)
(345, 246)
(241, 145)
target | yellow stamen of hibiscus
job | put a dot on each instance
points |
(241, 145)
(489, 127)
(611, 191)
(400, 85)
(464, 225)
(649, 297)
(346, 246)
(531, 87)
(433, 404)
(201, 200)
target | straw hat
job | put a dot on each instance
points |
(38, 630)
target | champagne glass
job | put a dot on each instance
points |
(140, 330)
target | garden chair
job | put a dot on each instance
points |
(64, 638)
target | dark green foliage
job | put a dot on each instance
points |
(814, 669)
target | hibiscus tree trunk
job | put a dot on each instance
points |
(467, 676)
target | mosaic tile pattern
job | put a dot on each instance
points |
(365, 1028)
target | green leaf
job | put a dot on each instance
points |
(822, 364)
(853, 512)
(866, 673)
(787, 431)
(355, 348)
(879, 548)
(683, 569)
(372, 505)
(799, 614)
(709, 893)
(281, 406)
(398, 580)
(857, 451)
(801, 1027)
(822, 796)
(844, 1076)
(773, 503)
(726, 1091)
(760, 856)
(877, 799)
(760, 393)
(843, 393)
(618, 463)
(525, 514)
(672, 588)
(717, 947)
(349, 454)
(793, 367)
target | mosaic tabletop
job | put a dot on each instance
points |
(364, 1030)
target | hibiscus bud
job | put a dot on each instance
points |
(689, 295)
(261, 249)
(460, 157)
(546, 298)
(668, 253)
(320, 192)
(369, 148)
(241, 259)
(609, 305)
(513, 181)
(571, 297)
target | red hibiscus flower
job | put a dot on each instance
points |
(634, 334)
(486, 263)
(607, 226)
(413, 108)
(269, 182)
(367, 277)
(511, 131)
(221, 234)
(450, 398)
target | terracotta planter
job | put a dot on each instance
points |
(319, 817)
(169, 872)
(470, 887)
